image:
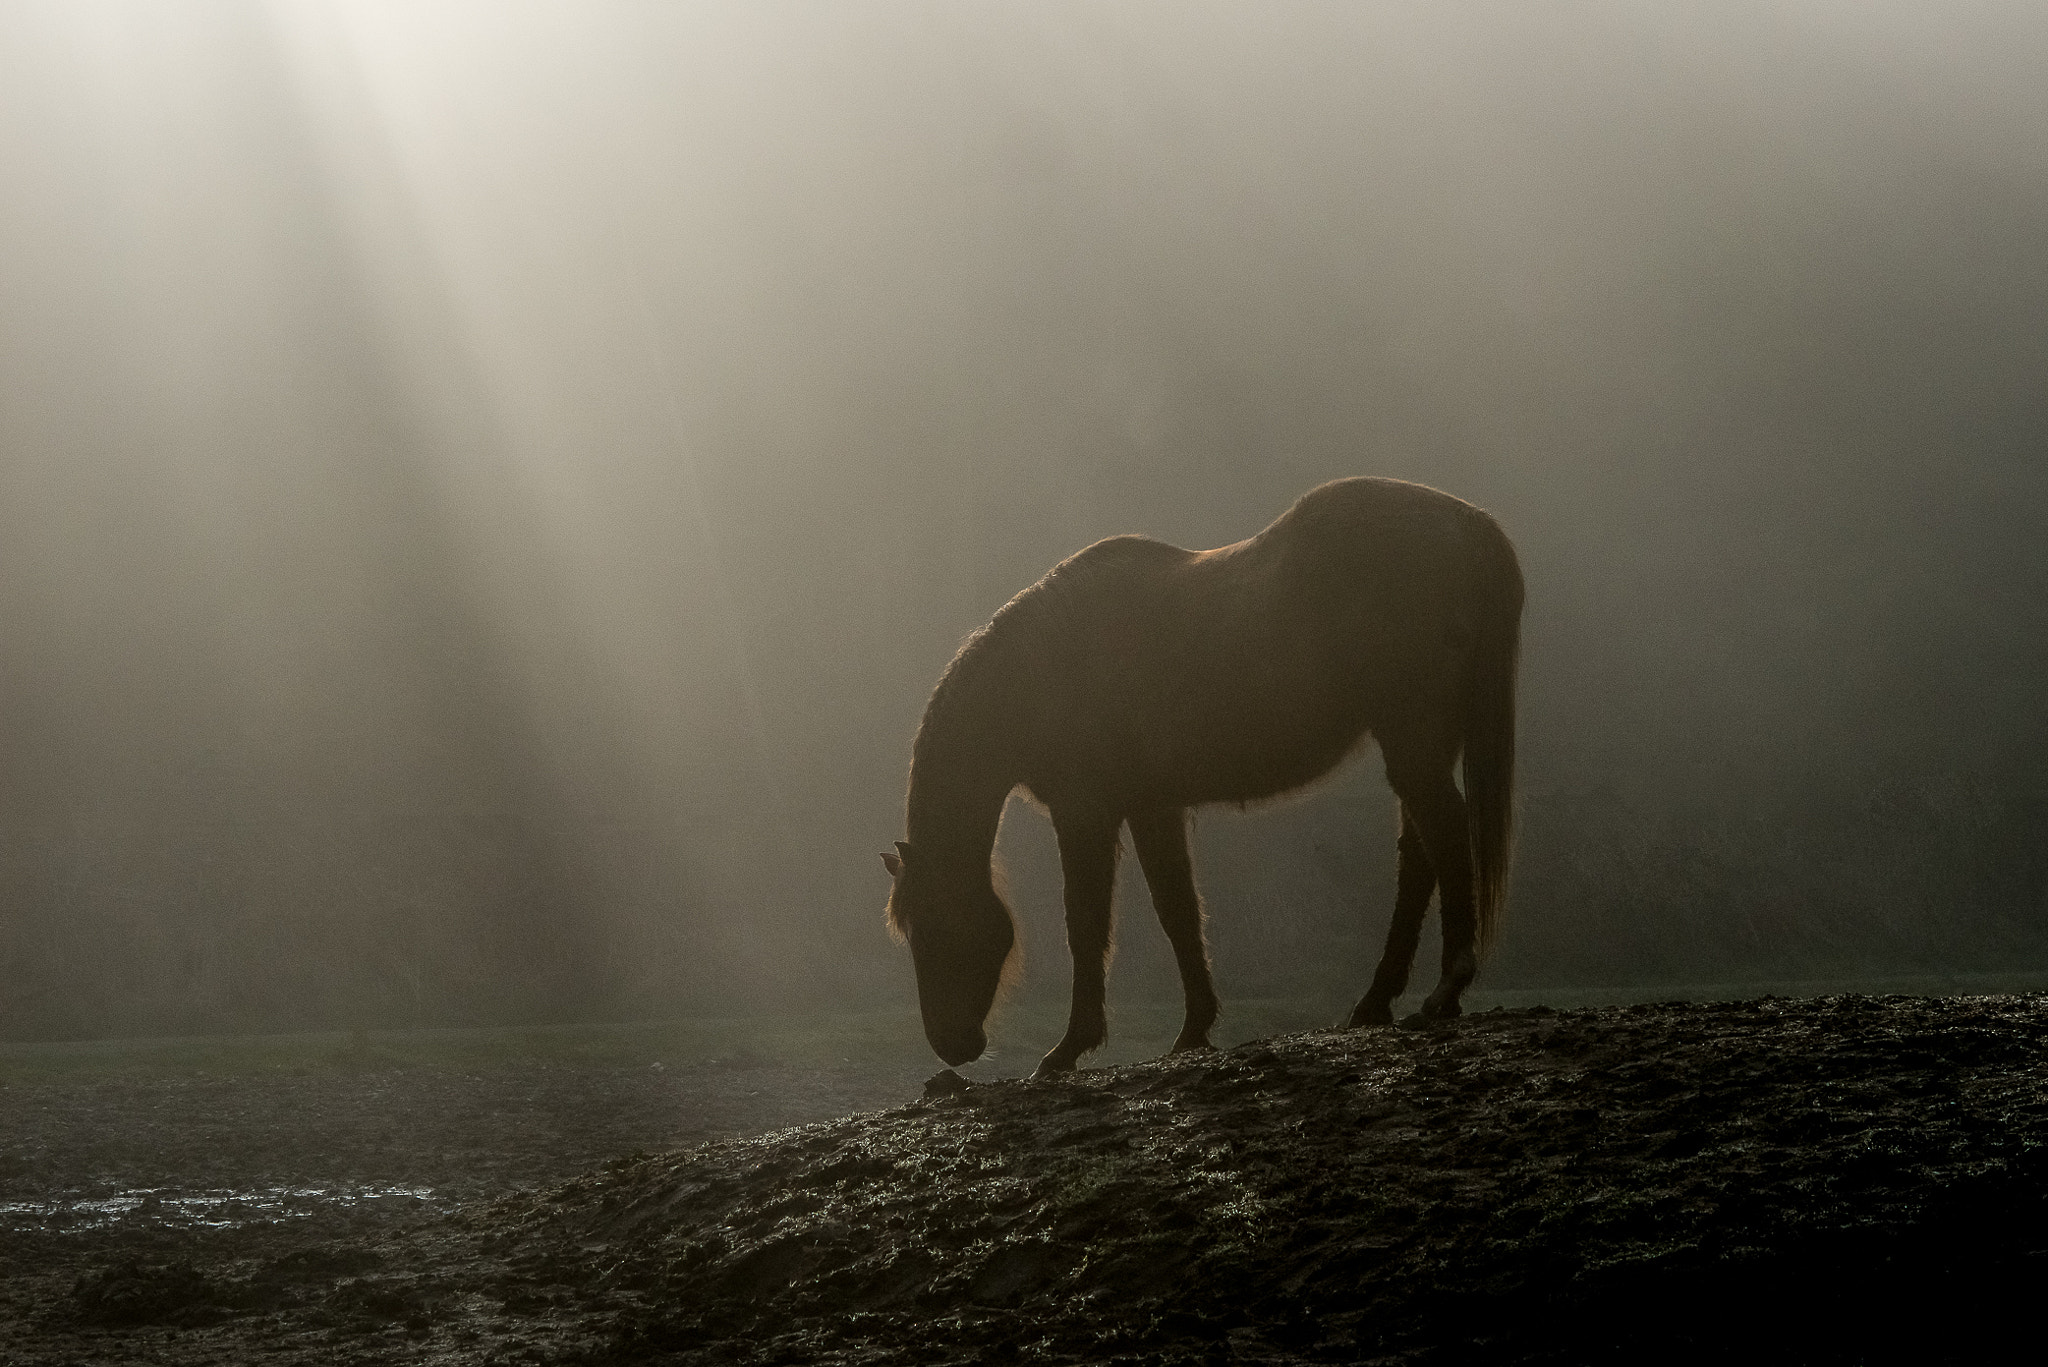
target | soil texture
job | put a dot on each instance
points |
(1843, 1179)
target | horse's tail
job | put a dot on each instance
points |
(1490, 732)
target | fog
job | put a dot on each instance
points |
(486, 490)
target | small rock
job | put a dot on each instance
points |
(947, 1083)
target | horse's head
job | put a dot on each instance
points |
(961, 938)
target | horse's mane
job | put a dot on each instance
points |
(958, 690)
(976, 676)
(983, 677)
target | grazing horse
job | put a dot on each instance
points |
(1137, 680)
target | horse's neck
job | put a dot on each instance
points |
(956, 803)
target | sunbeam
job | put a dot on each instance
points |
(488, 487)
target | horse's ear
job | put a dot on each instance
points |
(903, 850)
(892, 864)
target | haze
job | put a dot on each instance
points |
(485, 490)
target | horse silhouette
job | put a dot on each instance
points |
(1137, 680)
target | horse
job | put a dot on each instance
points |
(1137, 681)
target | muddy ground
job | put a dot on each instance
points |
(1843, 1179)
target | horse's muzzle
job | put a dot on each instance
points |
(958, 1046)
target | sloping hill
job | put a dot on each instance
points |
(1628, 1184)
(1846, 1179)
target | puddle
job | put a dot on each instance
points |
(219, 1208)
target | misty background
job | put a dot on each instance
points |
(486, 489)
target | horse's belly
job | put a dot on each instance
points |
(1247, 755)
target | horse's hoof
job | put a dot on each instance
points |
(1422, 1020)
(1364, 1016)
(1189, 1046)
(1049, 1067)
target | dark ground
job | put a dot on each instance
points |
(1843, 1179)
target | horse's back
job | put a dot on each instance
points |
(1251, 669)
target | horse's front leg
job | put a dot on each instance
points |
(1161, 839)
(1088, 855)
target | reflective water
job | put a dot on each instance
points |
(220, 1208)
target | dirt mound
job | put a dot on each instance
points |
(1667, 1179)
(1839, 1179)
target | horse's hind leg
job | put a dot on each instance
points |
(1089, 849)
(1161, 839)
(1411, 902)
(1421, 775)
